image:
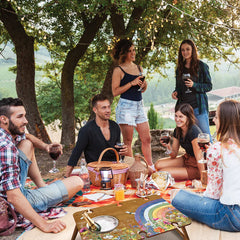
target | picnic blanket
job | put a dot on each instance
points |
(105, 197)
(80, 202)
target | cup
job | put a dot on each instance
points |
(119, 192)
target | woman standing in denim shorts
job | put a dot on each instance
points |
(192, 88)
(219, 207)
(126, 82)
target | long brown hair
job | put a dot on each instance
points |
(194, 65)
(120, 50)
(229, 121)
(187, 110)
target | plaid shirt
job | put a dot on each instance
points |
(203, 85)
(9, 162)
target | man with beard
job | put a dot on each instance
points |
(17, 161)
(97, 135)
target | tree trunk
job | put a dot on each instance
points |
(67, 90)
(25, 83)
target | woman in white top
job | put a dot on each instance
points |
(219, 208)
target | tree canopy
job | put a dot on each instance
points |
(79, 36)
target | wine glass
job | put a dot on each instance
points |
(119, 146)
(54, 153)
(186, 76)
(165, 138)
(203, 140)
(142, 78)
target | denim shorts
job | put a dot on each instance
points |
(130, 112)
(42, 198)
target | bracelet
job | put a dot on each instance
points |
(168, 151)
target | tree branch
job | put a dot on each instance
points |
(117, 21)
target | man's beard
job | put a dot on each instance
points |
(13, 129)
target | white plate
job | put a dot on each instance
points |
(107, 223)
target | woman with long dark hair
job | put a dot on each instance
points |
(193, 80)
(185, 135)
(128, 82)
(219, 208)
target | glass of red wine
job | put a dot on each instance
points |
(186, 76)
(119, 146)
(55, 152)
(203, 140)
(142, 78)
(165, 137)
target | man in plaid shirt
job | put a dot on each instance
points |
(17, 161)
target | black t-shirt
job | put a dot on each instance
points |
(189, 97)
(186, 142)
(92, 142)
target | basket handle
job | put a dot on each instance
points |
(138, 155)
(105, 150)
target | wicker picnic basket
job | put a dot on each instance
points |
(119, 169)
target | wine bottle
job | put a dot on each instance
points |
(93, 226)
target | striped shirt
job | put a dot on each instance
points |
(9, 162)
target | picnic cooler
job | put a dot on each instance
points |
(119, 169)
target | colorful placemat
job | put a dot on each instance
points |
(159, 216)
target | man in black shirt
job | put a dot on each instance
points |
(97, 135)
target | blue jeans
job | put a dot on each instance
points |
(42, 198)
(203, 121)
(208, 211)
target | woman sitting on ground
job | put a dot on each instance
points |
(185, 135)
(220, 206)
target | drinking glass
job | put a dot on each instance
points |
(203, 140)
(120, 145)
(165, 138)
(186, 76)
(54, 153)
(142, 78)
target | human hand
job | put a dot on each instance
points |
(137, 81)
(49, 146)
(174, 95)
(144, 86)
(53, 226)
(123, 150)
(188, 82)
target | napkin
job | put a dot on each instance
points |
(98, 196)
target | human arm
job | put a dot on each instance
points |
(116, 79)
(204, 83)
(38, 143)
(78, 149)
(176, 91)
(21, 204)
(215, 172)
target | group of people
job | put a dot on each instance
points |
(191, 116)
